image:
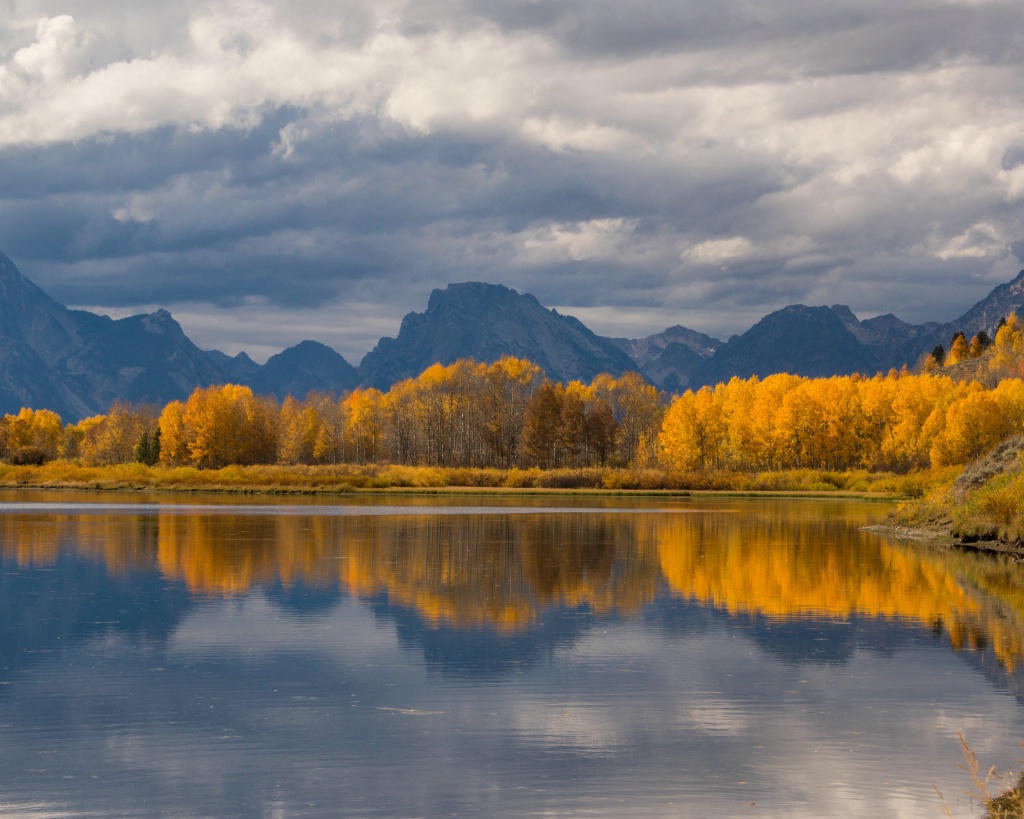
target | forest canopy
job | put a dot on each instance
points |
(508, 415)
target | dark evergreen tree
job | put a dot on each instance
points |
(147, 450)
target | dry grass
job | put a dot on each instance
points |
(984, 503)
(354, 477)
(1007, 802)
(987, 501)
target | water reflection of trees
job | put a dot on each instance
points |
(504, 571)
(827, 569)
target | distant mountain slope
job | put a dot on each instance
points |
(77, 363)
(486, 322)
(669, 359)
(895, 343)
(36, 333)
(144, 359)
(985, 315)
(307, 367)
(238, 369)
(810, 341)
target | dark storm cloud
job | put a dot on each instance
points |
(685, 163)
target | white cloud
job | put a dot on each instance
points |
(980, 241)
(594, 239)
(717, 251)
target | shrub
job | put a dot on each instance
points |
(27, 456)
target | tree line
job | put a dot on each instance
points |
(507, 414)
(897, 422)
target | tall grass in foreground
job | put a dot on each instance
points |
(1008, 800)
(355, 477)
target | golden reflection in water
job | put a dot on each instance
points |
(770, 565)
(780, 560)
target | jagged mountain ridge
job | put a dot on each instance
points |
(670, 358)
(784, 341)
(486, 322)
(813, 341)
(77, 363)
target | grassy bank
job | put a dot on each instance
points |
(1001, 794)
(984, 504)
(354, 478)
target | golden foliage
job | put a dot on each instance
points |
(895, 422)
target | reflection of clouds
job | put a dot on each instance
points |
(34, 810)
(253, 627)
(714, 716)
(253, 710)
(583, 727)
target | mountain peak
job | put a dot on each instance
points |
(160, 322)
(485, 322)
(802, 340)
(307, 367)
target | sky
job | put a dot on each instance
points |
(271, 172)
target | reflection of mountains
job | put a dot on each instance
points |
(503, 572)
(51, 598)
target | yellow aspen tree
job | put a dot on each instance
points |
(737, 399)
(113, 441)
(364, 432)
(572, 426)
(601, 431)
(877, 398)
(638, 411)
(958, 350)
(678, 446)
(1009, 395)
(174, 444)
(76, 444)
(293, 438)
(259, 428)
(976, 347)
(974, 424)
(768, 433)
(508, 386)
(848, 442)
(210, 427)
(229, 425)
(329, 443)
(34, 435)
(693, 432)
(541, 426)
(1006, 349)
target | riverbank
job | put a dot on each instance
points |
(981, 508)
(342, 479)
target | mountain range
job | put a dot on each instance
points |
(78, 363)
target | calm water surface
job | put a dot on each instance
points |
(162, 656)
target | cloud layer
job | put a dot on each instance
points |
(325, 165)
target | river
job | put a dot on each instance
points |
(168, 655)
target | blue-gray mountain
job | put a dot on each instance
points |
(78, 363)
(486, 322)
